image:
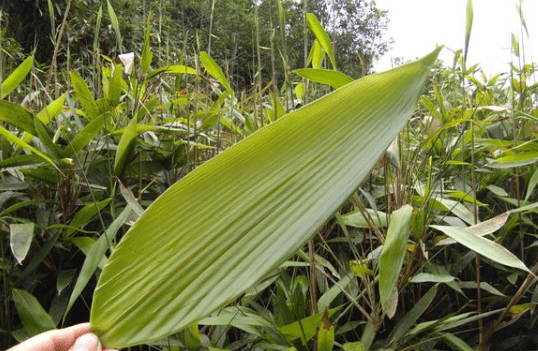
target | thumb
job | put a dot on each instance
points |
(87, 342)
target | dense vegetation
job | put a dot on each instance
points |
(88, 143)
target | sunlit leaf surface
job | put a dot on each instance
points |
(224, 226)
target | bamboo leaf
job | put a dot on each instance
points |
(51, 110)
(115, 23)
(147, 54)
(456, 343)
(95, 254)
(9, 136)
(17, 116)
(321, 36)
(84, 136)
(354, 346)
(21, 235)
(85, 214)
(125, 147)
(186, 257)
(411, 317)
(214, 70)
(84, 96)
(325, 340)
(392, 256)
(33, 317)
(333, 78)
(483, 246)
(17, 76)
(173, 69)
(468, 27)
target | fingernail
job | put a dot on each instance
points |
(87, 342)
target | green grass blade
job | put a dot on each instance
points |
(10, 83)
(333, 78)
(228, 223)
(392, 256)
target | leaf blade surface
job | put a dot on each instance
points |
(224, 226)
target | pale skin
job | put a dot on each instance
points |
(75, 338)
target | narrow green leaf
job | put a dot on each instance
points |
(6, 134)
(214, 70)
(65, 278)
(51, 110)
(305, 329)
(354, 346)
(84, 136)
(411, 317)
(532, 184)
(483, 246)
(85, 214)
(393, 253)
(33, 317)
(147, 54)
(95, 255)
(46, 140)
(335, 290)
(114, 86)
(321, 36)
(325, 340)
(298, 171)
(21, 235)
(125, 146)
(84, 96)
(115, 23)
(333, 78)
(357, 220)
(316, 55)
(468, 27)
(456, 343)
(432, 278)
(17, 116)
(17, 76)
(173, 69)
(482, 228)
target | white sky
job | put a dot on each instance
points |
(418, 25)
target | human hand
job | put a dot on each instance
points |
(75, 338)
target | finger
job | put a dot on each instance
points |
(54, 340)
(87, 342)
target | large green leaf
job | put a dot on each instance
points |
(228, 223)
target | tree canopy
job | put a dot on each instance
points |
(235, 32)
